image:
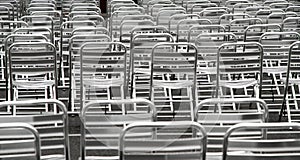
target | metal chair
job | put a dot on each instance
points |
(52, 125)
(173, 80)
(32, 70)
(217, 116)
(103, 71)
(102, 121)
(266, 145)
(17, 136)
(239, 70)
(151, 140)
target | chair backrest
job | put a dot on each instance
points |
(17, 136)
(291, 24)
(99, 20)
(183, 28)
(217, 116)
(52, 125)
(173, 20)
(102, 65)
(103, 121)
(213, 14)
(196, 30)
(278, 18)
(151, 140)
(253, 32)
(36, 30)
(238, 26)
(198, 7)
(277, 142)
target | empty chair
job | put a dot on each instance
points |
(103, 71)
(183, 28)
(140, 61)
(290, 106)
(75, 43)
(217, 116)
(102, 122)
(213, 13)
(116, 20)
(239, 70)
(207, 45)
(15, 137)
(198, 7)
(291, 24)
(66, 30)
(275, 142)
(52, 126)
(238, 26)
(173, 80)
(196, 30)
(151, 140)
(253, 32)
(163, 16)
(276, 50)
(32, 70)
(277, 18)
(173, 20)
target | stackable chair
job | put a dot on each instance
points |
(15, 137)
(32, 71)
(253, 32)
(226, 19)
(276, 50)
(128, 25)
(239, 70)
(190, 4)
(162, 17)
(66, 30)
(214, 13)
(263, 14)
(151, 140)
(103, 71)
(116, 20)
(278, 18)
(196, 30)
(242, 7)
(198, 7)
(173, 20)
(173, 80)
(6, 28)
(183, 28)
(267, 145)
(52, 127)
(140, 62)
(290, 106)
(207, 45)
(216, 116)
(102, 121)
(291, 24)
(75, 43)
(238, 26)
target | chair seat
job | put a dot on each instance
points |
(103, 82)
(239, 83)
(101, 158)
(53, 157)
(275, 70)
(33, 84)
(173, 84)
